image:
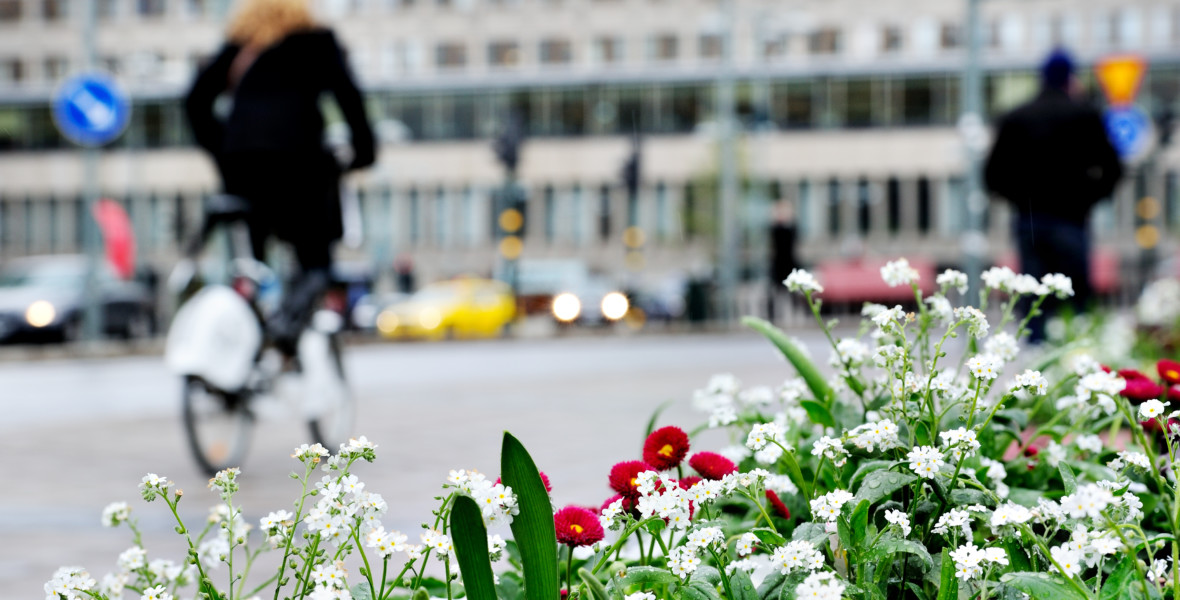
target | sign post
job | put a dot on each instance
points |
(91, 110)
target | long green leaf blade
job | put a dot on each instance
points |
(597, 590)
(533, 528)
(1047, 586)
(804, 366)
(471, 549)
(948, 586)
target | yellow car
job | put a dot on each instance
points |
(459, 308)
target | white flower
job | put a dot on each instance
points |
(1152, 409)
(1031, 380)
(132, 558)
(953, 518)
(1027, 284)
(683, 561)
(801, 281)
(762, 434)
(882, 435)
(959, 441)
(951, 278)
(997, 278)
(849, 351)
(1069, 559)
(888, 319)
(153, 485)
(313, 453)
(1087, 501)
(1009, 514)
(823, 585)
(158, 592)
(872, 309)
(899, 272)
(640, 596)
(1002, 345)
(885, 355)
(797, 555)
(941, 307)
(746, 544)
(832, 449)
(1135, 459)
(984, 367)
(827, 507)
(900, 519)
(976, 321)
(925, 461)
(1160, 569)
(705, 537)
(1058, 284)
(115, 513)
(1088, 442)
(1054, 453)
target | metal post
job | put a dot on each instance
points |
(91, 240)
(972, 128)
(728, 189)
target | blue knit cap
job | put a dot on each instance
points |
(1057, 69)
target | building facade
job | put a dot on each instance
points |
(848, 110)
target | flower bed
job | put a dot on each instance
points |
(913, 472)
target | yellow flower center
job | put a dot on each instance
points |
(1172, 374)
(634, 481)
(666, 450)
(576, 528)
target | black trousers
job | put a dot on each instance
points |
(1054, 245)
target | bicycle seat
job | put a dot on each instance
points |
(225, 207)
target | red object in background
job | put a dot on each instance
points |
(117, 235)
(1139, 386)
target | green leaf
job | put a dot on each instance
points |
(655, 526)
(796, 473)
(844, 532)
(699, 590)
(948, 587)
(361, 591)
(471, 549)
(1043, 586)
(1120, 585)
(1016, 415)
(509, 587)
(707, 574)
(742, 587)
(597, 590)
(1017, 558)
(880, 484)
(655, 416)
(889, 545)
(771, 585)
(819, 414)
(769, 537)
(967, 497)
(647, 576)
(1067, 477)
(867, 467)
(533, 528)
(803, 365)
(859, 522)
(812, 532)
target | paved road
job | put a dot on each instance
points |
(80, 433)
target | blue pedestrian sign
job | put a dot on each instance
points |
(90, 109)
(1128, 128)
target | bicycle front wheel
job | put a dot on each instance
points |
(218, 425)
(331, 409)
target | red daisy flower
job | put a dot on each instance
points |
(1174, 392)
(629, 504)
(688, 482)
(1169, 370)
(779, 507)
(1139, 386)
(665, 447)
(577, 526)
(544, 480)
(1031, 451)
(712, 465)
(623, 475)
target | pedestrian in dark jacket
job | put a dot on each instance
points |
(1052, 161)
(277, 63)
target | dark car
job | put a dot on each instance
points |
(42, 298)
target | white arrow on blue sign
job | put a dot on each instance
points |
(91, 109)
(1128, 128)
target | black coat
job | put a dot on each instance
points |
(271, 150)
(1052, 157)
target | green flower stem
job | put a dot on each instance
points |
(356, 535)
(1033, 311)
(384, 573)
(439, 518)
(633, 528)
(761, 510)
(250, 558)
(1138, 567)
(303, 577)
(261, 586)
(307, 471)
(447, 569)
(192, 548)
(724, 576)
(396, 580)
(1072, 582)
(233, 543)
(569, 569)
(814, 480)
(1137, 432)
(831, 341)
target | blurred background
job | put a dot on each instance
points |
(647, 158)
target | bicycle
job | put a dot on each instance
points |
(217, 344)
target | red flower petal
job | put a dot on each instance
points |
(665, 447)
(622, 477)
(577, 526)
(1139, 386)
(1169, 370)
(779, 507)
(712, 465)
(544, 480)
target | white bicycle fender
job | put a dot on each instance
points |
(214, 336)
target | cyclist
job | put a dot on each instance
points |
(276, 63)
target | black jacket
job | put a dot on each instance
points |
(1051, 157)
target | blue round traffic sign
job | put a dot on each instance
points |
(91, 109)
(1128, 128)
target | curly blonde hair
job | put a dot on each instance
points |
(260, 23)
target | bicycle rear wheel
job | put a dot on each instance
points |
(331, 408)
(217, 424)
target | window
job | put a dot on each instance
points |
(10, 10)
(774, 47)
(711, 46)
(55, 68)
(197, 8)
(503, 54)
(891, 39)
(54, 10)
(950, 36)
(604, 212)
(550, 214)
(556, 51)
(106, 10)
(150, 8)
(450, 55)
(833, 207)
(826, 40)
(662, 47)
(11, 70)
(607, 50)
